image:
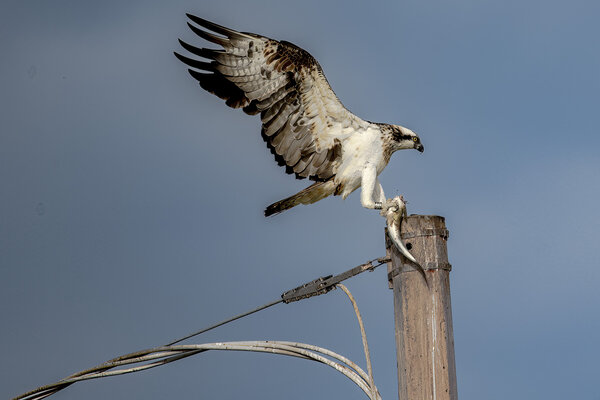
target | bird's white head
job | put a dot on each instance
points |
(404, 138)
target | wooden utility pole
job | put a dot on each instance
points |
(423, 314)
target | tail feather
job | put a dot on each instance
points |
(311, 194)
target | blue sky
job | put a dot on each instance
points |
(131, 207)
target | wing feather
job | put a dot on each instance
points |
(210, 37)
(206, 66)
(277, 122)
(302, 119)
(293, 153)
(301, 168)
(288, 138)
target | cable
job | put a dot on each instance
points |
(165, 354)
(363, 334)
(170, 353)
(315, 287)
(227, 321)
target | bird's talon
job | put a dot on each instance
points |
(394, 210)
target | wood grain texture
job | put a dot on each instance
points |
(423, 312)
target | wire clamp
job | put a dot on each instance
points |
(314, 288)
(324, 284)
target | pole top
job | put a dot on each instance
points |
(425, 237)
(423, 225)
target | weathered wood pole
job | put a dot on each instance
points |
(422, 310)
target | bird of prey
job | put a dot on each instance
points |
(304, 124)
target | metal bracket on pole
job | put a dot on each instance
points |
(427, 265)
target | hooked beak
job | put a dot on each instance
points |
(419, 147)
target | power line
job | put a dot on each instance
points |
(227, 321)
(165, 354)
(315, 287)
(169, 353)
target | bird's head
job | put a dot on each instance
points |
(406, 139)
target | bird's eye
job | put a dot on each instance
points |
(415, 139)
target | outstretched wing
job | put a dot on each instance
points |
(303, 122)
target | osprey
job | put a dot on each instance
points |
(304, 124)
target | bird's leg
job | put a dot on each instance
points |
(379, 194)
(371, 194)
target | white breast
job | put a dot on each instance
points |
(359, 150)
